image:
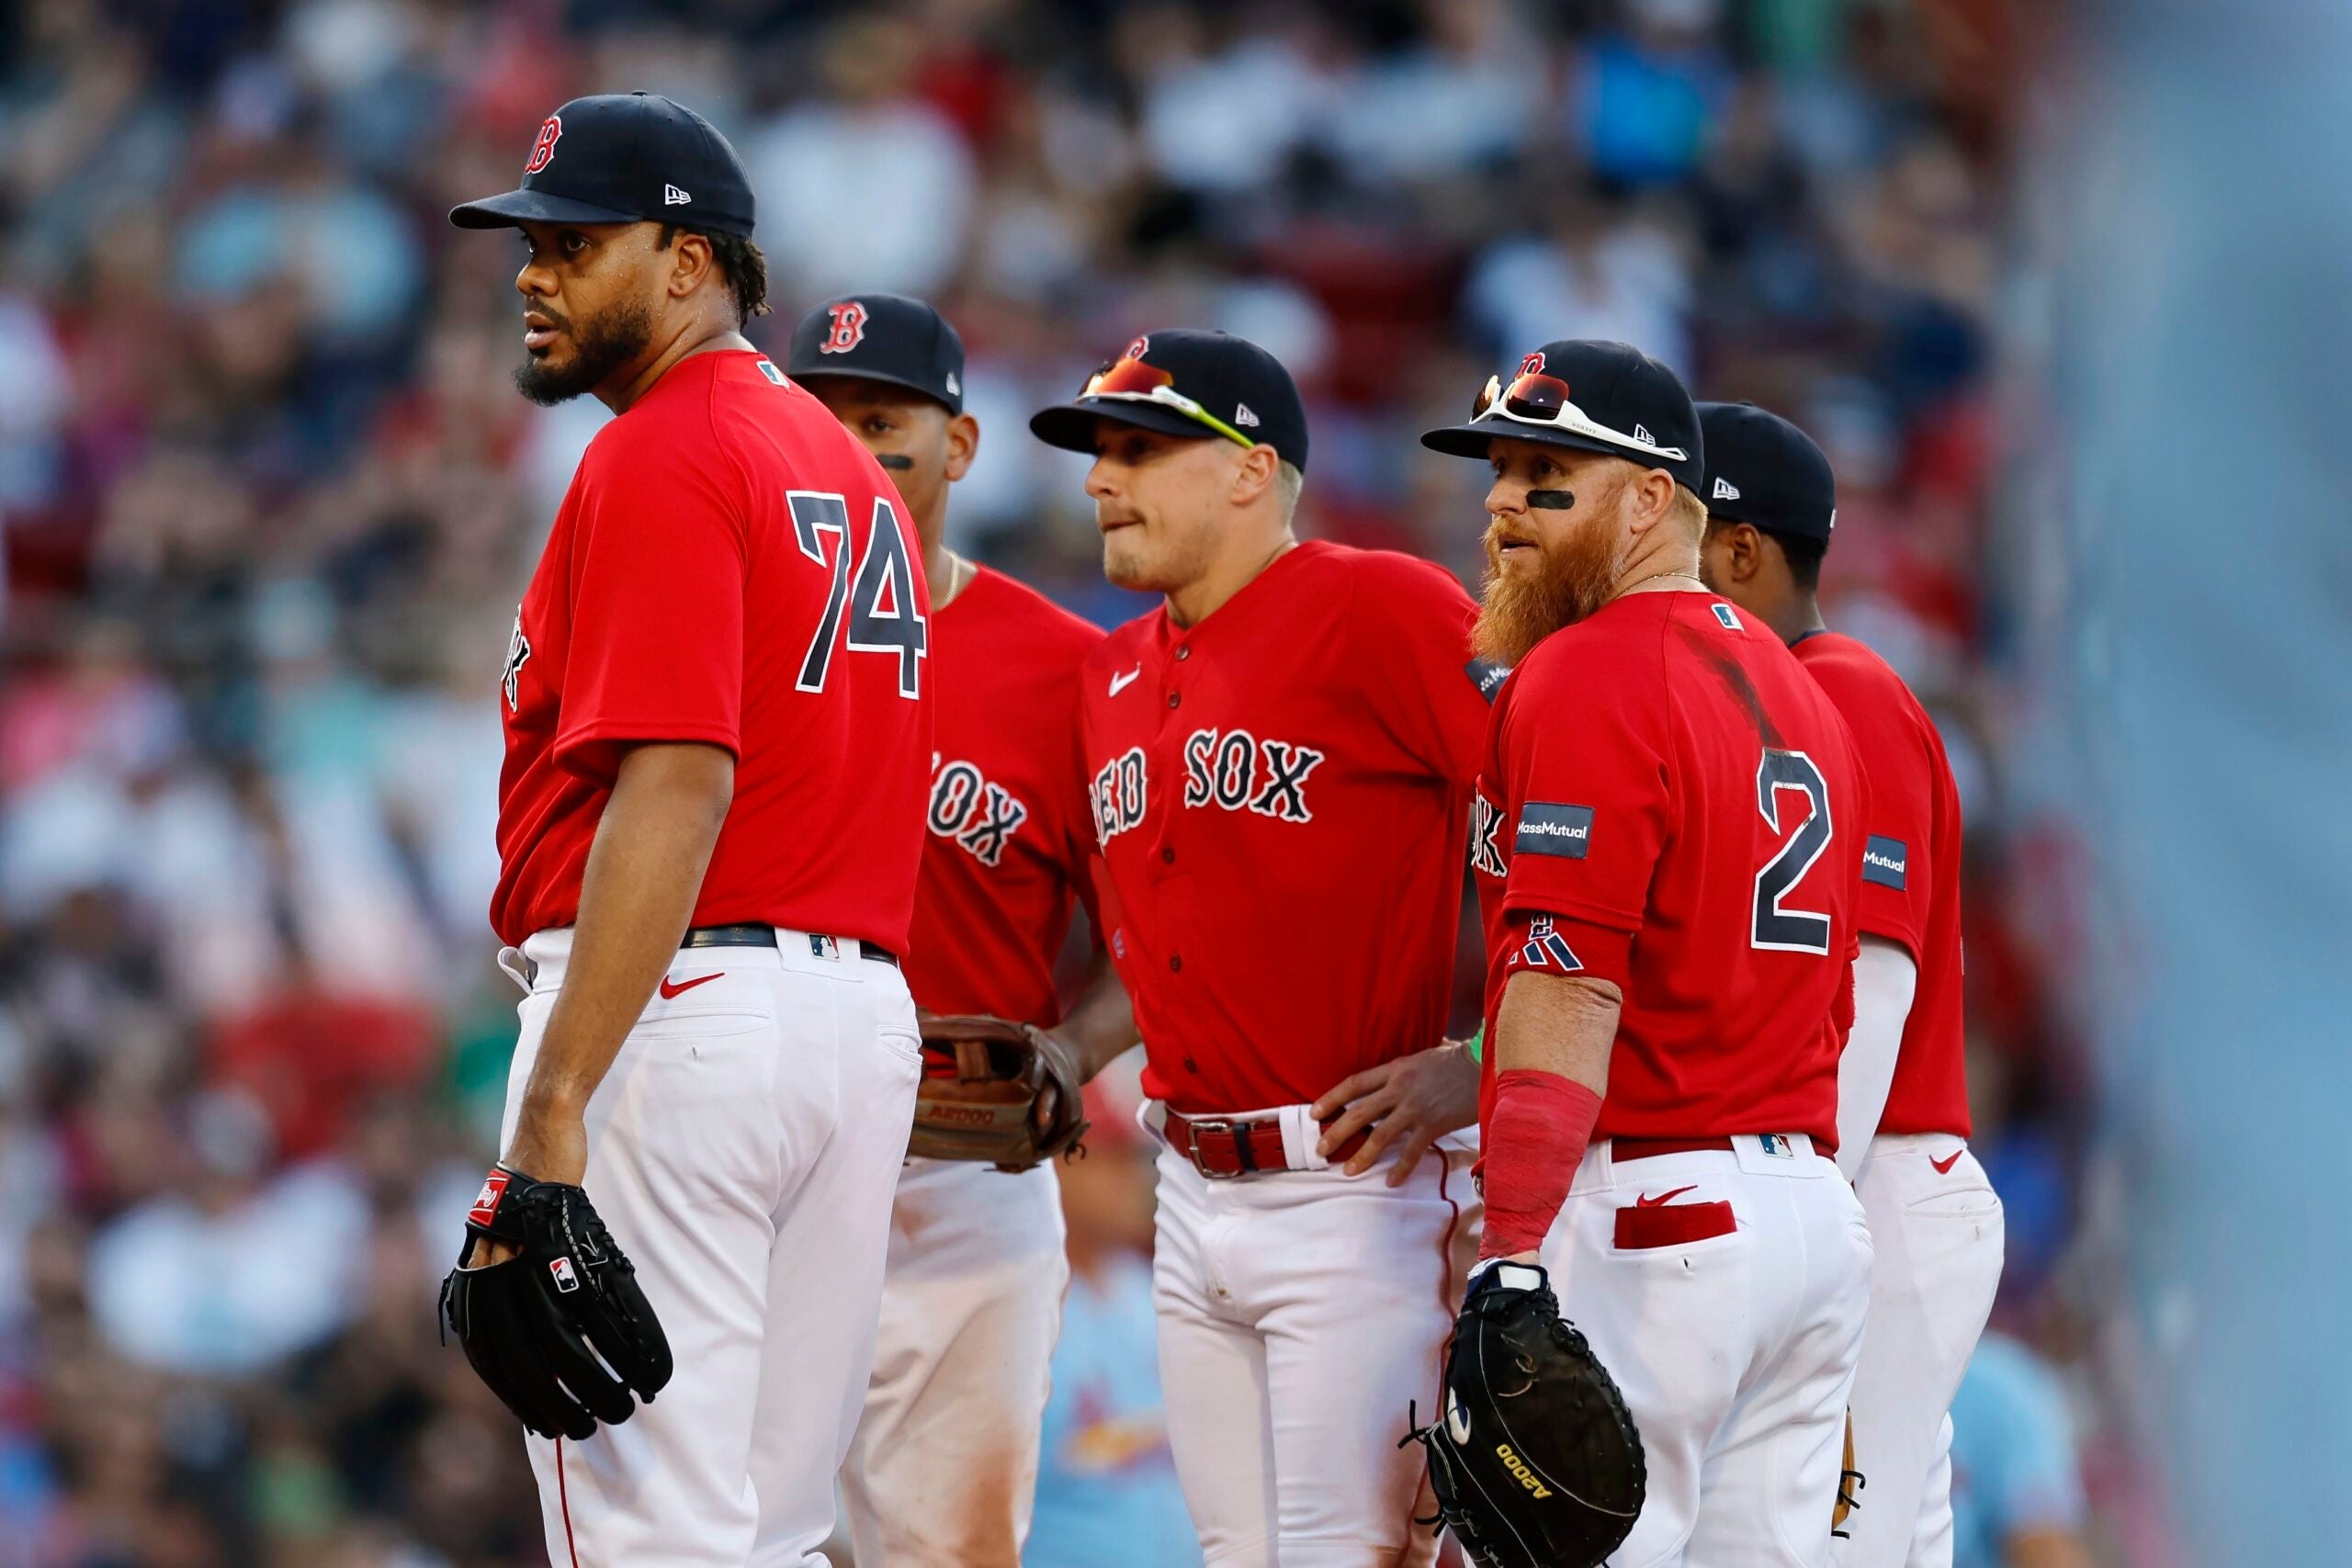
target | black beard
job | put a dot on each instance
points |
(599, 348)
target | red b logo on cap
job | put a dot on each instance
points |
(848, 328)
(1533, 365)
(543, 150)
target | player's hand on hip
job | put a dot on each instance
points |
(1408, 1104)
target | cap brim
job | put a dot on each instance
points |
(1070, 426)
(844, 373)
(519, 207)
(1470, 440)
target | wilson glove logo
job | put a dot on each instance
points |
(1519, 1472)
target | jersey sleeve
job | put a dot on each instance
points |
(658, 577)
(1412, 627)
(1592, 797)
(1896, 756)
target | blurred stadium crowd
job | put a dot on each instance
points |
(267, 499)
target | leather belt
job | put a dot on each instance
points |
(765, 936)
(1624, 1149)
(1221, 1148)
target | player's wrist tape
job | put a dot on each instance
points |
(1535, 1139)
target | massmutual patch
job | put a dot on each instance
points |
(1488, 676)
(1545, 828)
(1883, 860)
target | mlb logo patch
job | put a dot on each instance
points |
(824, 947)
(565, 1278)
(1723, 614)
(1776, 1144)
(772, 373)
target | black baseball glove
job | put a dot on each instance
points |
(995, 1090)
(1534, 1460)
(536, 1325)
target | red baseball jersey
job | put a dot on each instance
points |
(1665, 770)
(1910, 872)
(731, 566)
(1281, 793)
(1011, 844)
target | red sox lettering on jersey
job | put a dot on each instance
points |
(977, 816)
(1008, 856)
(1280, 797)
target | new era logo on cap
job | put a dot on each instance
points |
(1242, 414)
(1641, 433)
(672, 197)
(1724, 490)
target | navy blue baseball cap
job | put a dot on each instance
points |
(1592, 397)
(1763, 470)
(1182, 382)
(624, 158)
(881, 337)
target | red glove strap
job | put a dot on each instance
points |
(1536, 1140)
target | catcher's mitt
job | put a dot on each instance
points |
(534, 1325)
(995, 1090)
(1534, 1460)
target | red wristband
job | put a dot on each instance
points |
(1535, 1139)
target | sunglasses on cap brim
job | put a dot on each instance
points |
(1534, 398)
(1131, 380)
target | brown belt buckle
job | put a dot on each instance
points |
(1193, 1131)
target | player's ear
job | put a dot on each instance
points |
(963, 445)
(1253, 476)
(690, 262)
(1652, 496)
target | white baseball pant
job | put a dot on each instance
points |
(944, 1470)
(1301, 1313)
(1939, 1236)
(742, 1149)
(1735, 1352)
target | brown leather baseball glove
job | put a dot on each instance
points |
(995, 1090)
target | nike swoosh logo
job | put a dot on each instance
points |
(1121, 682)
(670, 992)
(1646, 1201)
(1943, 1166)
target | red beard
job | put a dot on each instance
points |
(1572, 580)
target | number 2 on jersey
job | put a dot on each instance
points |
(873, 627)
(1777, 927)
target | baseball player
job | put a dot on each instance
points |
(1280, 757)
(1902, 1092)
(718, 734)
(944, 1465)
(1661, 852)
